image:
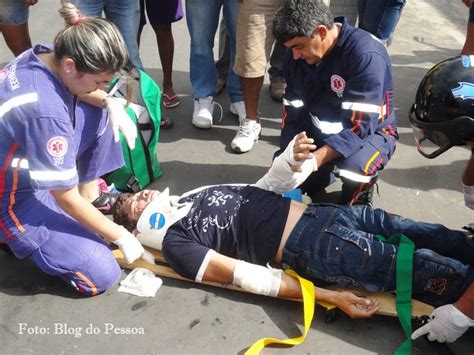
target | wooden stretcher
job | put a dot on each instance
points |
(387, 301)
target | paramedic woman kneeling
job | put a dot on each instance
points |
(51, 147)
(228, 233)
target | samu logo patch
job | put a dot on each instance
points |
(57, 148)
(338, 85)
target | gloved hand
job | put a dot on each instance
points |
(120, 120)
(281, 178)
(468, 196)
(148, 257)
(447, 323)
(129, 246)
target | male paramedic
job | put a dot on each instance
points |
(228, 233)
(340, 91)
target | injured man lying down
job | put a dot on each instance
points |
(245, 234)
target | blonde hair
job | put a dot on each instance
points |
(95, 44)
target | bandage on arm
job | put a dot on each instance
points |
(280, 178)
(257, 279)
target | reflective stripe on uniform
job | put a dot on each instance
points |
(21, 163)
(368, 108)
(17, 101)
(355, 177)
(3, 171)
(327, 127)
(294, 103)
(53, 175)
(11, 211)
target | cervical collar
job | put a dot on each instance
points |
(158, 216)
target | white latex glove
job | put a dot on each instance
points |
(120, 120)
(148, 257)
(280, 178)
(129, 246)
(468, 196)
(447, 323)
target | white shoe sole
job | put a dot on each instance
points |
(202, 126)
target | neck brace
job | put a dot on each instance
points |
(158, 216)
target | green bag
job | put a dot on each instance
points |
(141, 164)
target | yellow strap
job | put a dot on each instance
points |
(307, 289)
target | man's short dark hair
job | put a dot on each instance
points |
(299, 18)
(119, 216)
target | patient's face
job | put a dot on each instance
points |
(135, 205)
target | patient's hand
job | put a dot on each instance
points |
(354, 306)
(302, 149)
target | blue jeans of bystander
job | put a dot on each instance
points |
(125, 14)
(202, 18)
(13, 12)
(380, 17)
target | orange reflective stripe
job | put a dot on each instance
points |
(88, 282)
(376, 165)
(387, 103)
(6, 165)
(12, 201)
(353, 116)
(366, 169)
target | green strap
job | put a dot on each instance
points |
(404, 279)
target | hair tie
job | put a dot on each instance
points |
(78, 20)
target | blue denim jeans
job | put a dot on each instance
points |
(337, 245)
(13, 12)
(125, 14)
(202, 18)
(380, 17)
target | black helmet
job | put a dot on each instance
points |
(443, 112)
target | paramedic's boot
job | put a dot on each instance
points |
(351, 194)
(105, 202)
(248, 133)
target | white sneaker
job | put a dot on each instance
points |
(248, 133)
(202, 115)
(238, 109)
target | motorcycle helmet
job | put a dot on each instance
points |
(443, 113)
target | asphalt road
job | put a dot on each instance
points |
(188, 318)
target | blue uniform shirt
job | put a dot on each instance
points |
(47, 142)
(345, 98)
